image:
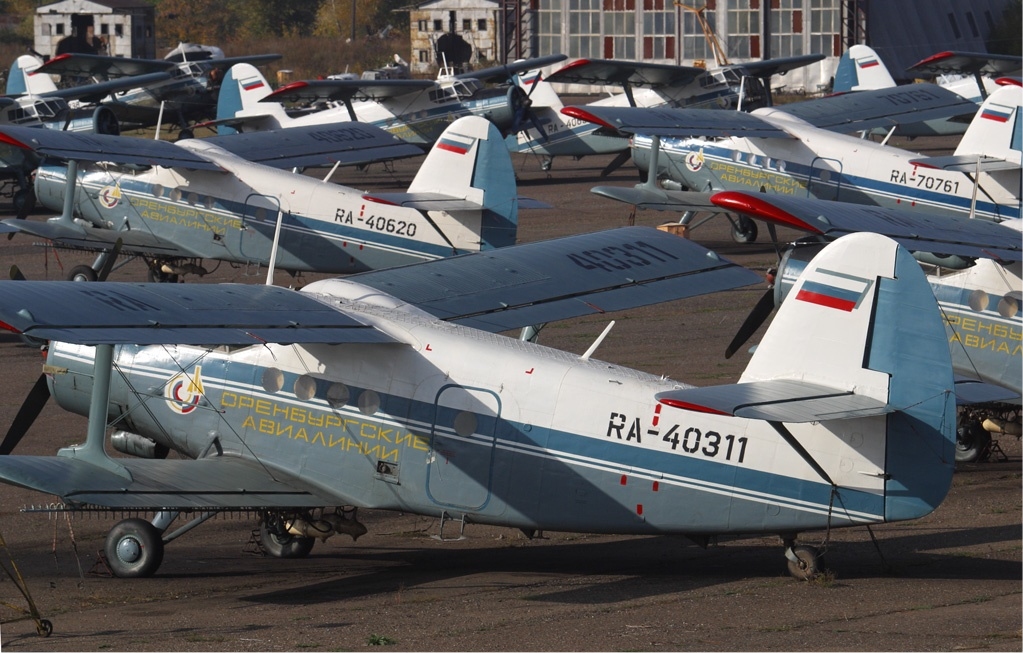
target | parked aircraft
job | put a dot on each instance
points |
(190, 93)
(415, 110)
(33, 100)
(175, 204)
(425, 410)
(975, 273)
(734, 86)
(793, 150)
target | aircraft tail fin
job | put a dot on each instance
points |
(22, 81)
(240, 92)
(997, 129)
(471, 162)
(863, 319)
(860, 69)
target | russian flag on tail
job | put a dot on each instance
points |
(456, 143)
(252, 84)
(996, 112)
(834, 290)
(867, 63)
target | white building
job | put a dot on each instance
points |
(122, 28)
(467, 25)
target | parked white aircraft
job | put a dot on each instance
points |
(175, 204)
(391, 390)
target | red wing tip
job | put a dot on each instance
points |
(758, 207)
(1009, 81)
(934, 58)
(582, 114)
(379, 200)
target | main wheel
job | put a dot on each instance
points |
(744, 230)
(156, 275)
(971, 442)
(808, 563)
(284, 545)
(134, 549)
(82, 273)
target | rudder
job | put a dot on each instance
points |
(240, 92)
(996, 129)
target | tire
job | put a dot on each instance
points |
(134, 549)
(809, 564)
(971, 442)
(284, 545)
(82, 273)
(156, 276)
(745, 230)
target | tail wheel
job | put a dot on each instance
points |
(805, 562)
(282, 544)
(134, 549)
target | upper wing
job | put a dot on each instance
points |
(347, 143)
(502, 74)
(885, 107)
(96, 65)
(343, 90)
(966, 63)
(93, 239)
(633, 73)
(650, 197)
(92, 93)
(918, 232)
(662, 121)
(557, 279)
(200, 314)
(769, 67)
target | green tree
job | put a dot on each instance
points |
(371, 16)
(210, 22)
(278, 17)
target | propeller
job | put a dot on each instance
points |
(616, 163)
(761, 311)
(27, 414)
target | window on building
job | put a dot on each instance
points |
(973, 24)
(481, 24)
(59, 29)
(424, 56)
(46, 27)
(104, 29)
(466, 24)
(549, 32)
(438, 25)
(584, 29)
(659, 34)
(787, 29)
(694, 44)
(619, 35)
(955, 26)
(424, 25)
(825, 28)
(118, 30)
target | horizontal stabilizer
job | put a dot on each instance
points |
(155, 313)
(966, 163)
(776, 400)
(209, 483)
(552, 280)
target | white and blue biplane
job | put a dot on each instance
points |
(550, 133)
(394, 390)
(797, 150)
(226, 199)
(415, 110)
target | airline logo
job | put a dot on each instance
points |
(869, 62)
(184, 391)
(996, 112)
(456, 143)
(695, 161)
(834, 290)
(110, 196)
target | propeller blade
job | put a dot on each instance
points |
(27, 414)
(108, 263)
(16, 274)
(616, 163)
(753, 322)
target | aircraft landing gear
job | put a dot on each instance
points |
(805, 562)
(134, 549)
(82, 273)
(279, 543)
(744, 230)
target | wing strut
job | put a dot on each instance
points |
(92, 451)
